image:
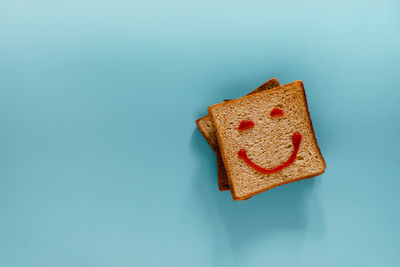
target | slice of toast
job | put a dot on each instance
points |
(208, 131)
(266, 140)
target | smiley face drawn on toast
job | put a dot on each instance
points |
(296, 140)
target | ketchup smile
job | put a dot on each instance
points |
(296, 139)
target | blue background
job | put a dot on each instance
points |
(101, 163)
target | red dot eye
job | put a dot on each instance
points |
(245, 124)
(276, 112)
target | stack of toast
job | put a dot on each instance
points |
(262, 140)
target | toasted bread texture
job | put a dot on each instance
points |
(268, 143)
(207, 129)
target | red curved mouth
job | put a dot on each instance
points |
(296, 139)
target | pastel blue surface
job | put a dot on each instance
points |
(101, 163)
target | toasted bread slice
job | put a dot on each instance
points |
(208, 131)
(266, 140)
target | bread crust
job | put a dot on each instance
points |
(223, 182)
(201, 129)
(222, 149)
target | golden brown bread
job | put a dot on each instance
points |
(208, 131)
(268, 143)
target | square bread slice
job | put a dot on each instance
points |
(266, 140)
(208, 131)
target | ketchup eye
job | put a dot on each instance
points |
(245, 125)
(276, 112)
